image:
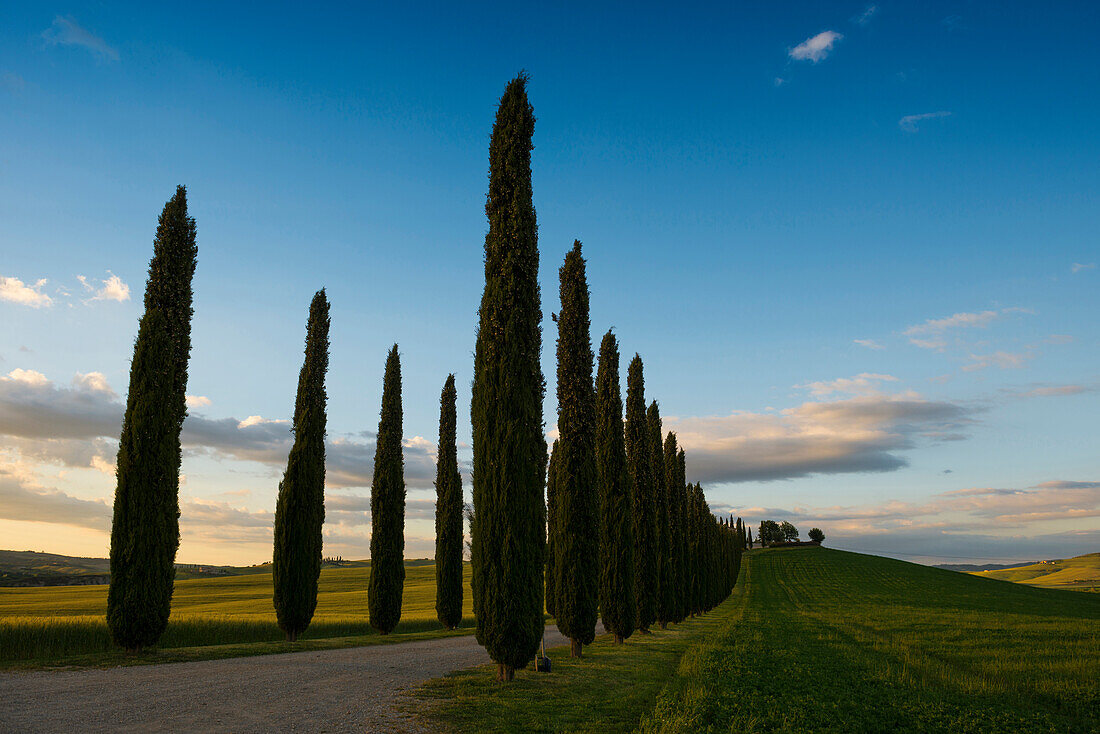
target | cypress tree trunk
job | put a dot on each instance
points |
(640, 465)
(551, 531)
(448, 514)
(145, 528)
(674, 582)
(663, 564)
(300, 509)
(576, 538)
(508, 542)
(617, 605)
(387, 508)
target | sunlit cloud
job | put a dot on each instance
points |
(1000, 359)
(869, 343)
(194, 402)
(862, 434)
(13, 290)
(932, 333)
(111, 289)
(866, 383)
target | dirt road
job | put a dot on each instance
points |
(353, 689)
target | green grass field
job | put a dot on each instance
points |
(819, 640)
(51, 625)
(1081, 573)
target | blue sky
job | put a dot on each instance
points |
(855, 244)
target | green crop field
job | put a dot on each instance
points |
(819, 640)
(48, 625)
(1081, 573)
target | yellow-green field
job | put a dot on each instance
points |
(57, 624)
(1081, 573)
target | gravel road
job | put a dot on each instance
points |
(353, 689)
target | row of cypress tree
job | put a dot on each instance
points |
(621, 535)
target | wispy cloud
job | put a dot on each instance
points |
(1001, 359)
(869, 343)
(816, 48)
(865, 17)
(910, 123)
(866, 383)
(65, 31)
(931, 334)
(13, 290)
(1078, 267)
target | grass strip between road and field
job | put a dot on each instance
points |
(608, 690)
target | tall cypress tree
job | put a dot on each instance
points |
(551, 529)
(640, 465)
(683, 594)
(577, 527)
(145, 529)
(387, 507)
(674, 581)
(617, 604)
(300, 508)
(662, 530)
(448, 514)
(509, 533)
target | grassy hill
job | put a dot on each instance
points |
(1081, 573)
(824, 640)
(817, 640)
(52, 624)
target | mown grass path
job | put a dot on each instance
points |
(833, 641)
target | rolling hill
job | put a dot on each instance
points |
(1081, 573)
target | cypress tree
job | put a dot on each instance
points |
(387, 507)
(686, 529)
(641, 466)
(663, 531)
(617, 603)
(448, 514)
(551, 529)
(145, 528)
(300, 508)
(577, 514)
(509, 533)
(674, 580)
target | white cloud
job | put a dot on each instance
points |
(909, 123)
(865, 383)
(14, 290)
(817, 48)
(113, 289)
(258, 420)
(194, 402)
(1078, 267)
(869, 343)
(65, 31)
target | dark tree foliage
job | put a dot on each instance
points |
(816, 535)
(641, 467)
(789, 531)
(300, 508)
(448, 514)
(672, 594)
(662, 528)
(576, 530)
(387, 507)
(769, 533)
(616, 512)
(145, 529)
(509, 534)
(683, 492)
(551, 530)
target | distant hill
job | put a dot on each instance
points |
(1080, 572)
(972, 567)
(31, 568)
